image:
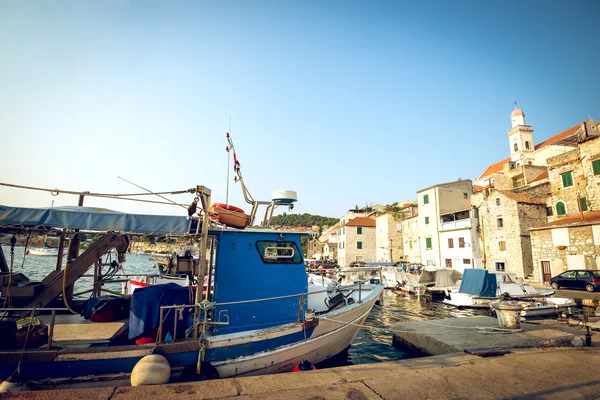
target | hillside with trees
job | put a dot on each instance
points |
(302, 220)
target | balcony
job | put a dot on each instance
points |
(458, 224)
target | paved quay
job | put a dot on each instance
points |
(548, 373)
(450, 335)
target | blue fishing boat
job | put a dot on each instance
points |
(240, 325)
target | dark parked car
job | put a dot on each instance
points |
(577, 279)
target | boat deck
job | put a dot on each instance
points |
(75, 331)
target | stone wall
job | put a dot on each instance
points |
(561, 164)
(517, 218)
(581, 243)
(368, 240)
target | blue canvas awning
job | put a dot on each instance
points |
(93, 219)
(478, 282)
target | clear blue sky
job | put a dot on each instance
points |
(345, 102)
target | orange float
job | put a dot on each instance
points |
(229, 215)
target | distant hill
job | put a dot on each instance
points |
(302, 220)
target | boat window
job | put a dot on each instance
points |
(507, 279)
(278, 252)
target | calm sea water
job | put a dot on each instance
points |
(369, 346)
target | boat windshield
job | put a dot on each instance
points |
(508, 279)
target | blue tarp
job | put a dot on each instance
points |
(478, 282)
(144, 314)
(95, 219)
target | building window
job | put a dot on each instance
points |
(502, 246)
(516, 148)
(499, 222)
(461, 242)
(426, 199)
(500, 266)
(596, 167)
(466, 261)
(549, 211)
(465, 195)
(359, 245)
(498, 201)
(560, 208)
(428, 243)
(527, 145)
(426, 220)
(583, 202)
(567, 179)
(475, 212)
(359, 230)
(450, 243)
(518, 182)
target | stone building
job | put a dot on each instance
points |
(357, 241)
(314, 248)
(528, 171)
(526, 161)
(389, 245)
(571, 236)
(330, 251)
(505, 218)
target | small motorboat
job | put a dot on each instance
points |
(229, 215)
(546, 306)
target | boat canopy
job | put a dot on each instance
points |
(478, 282)
(93, 219)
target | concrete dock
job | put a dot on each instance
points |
(550, 373)
(451, 335)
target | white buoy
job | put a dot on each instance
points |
(13, 383)
(151, 370)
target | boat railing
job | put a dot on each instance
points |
(223, 318)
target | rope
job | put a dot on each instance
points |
(120, 196)
(481, 329)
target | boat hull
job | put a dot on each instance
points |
(334, 332)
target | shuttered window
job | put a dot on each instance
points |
(596, 167)
(426, 199)
(428, 243)
(451, 243)
(359, 245)
(583, 204)
(426, 220)
(560, 208)
(567, 179)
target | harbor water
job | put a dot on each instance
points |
(372, 344)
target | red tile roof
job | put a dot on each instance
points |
(478, 188)
(541, 176)
(558, 137)
(362, 221)
(499, 165)
(492, 169)
(592, 218)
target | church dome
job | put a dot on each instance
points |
(516, 112)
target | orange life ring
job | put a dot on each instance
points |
(230, 215)
(227, 207)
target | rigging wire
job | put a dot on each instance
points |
(119, 196)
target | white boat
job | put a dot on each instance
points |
(42, 251)
(321, 280)
(546, 306)
(479, 288)
(427, 279)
